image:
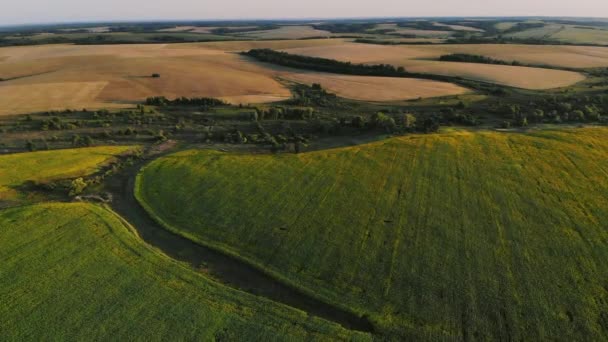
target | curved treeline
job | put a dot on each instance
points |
(325, 65)
(184, 101)
(468, 58)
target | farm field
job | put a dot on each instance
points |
(202, 29)
(459, 27)
(419, 58)
(394, 29)
(566, 33)
(288, 32)
(16, 169)
(104, 76)
(445, 236)
(368, 88)
(76, 271)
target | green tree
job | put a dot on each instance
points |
(77, 186)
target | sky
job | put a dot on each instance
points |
(51, 11)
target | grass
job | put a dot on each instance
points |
(16, 169)
(460, 235)
(77, 272)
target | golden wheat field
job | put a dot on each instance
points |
(55, 77)
(423, 58)
(367, 88)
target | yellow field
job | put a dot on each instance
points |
(55, 77)
(64, 76)
(419, 58)
(40, 78)
(378, 88)
(16, 169)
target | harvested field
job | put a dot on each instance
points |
(107, 76)
(378, 88)
(418, 58)
(39, 97)
(49, 77)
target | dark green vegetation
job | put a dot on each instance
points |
(467, 58)
(462, 235)
(324, 64)
(79, 272)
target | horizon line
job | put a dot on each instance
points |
(303, 19)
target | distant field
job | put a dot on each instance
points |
(202, 29)
(505, 25)
(16, 169)
(435, 237)
(411, 31)
(76, 272)
(566, 33)
(288, 32)
(459, 27)
(416, 58)
(41, 78)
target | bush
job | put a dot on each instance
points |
(77, 186)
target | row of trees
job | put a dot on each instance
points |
(185, 101)
(468, 58)
(324, 64)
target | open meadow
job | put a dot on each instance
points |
(445, 236)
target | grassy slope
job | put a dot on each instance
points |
(75, 272)
(15, 169)
(487, 235)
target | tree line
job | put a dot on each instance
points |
(184, 101)
(324, 64)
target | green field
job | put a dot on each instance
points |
(77, 272)
(565, 33)
(466, 235)
(15, 169)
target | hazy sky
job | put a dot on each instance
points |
(45, 11)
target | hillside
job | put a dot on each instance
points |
(77, 272)
(482, 235)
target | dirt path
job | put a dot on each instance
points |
(223, 268)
